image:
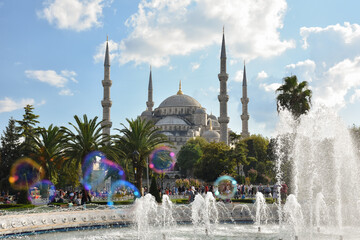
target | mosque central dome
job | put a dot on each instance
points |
(180, 100)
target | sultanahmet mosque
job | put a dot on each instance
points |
(181, 117)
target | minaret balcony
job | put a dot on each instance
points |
(106, 83)
(223, 76)
(245, 117)
(106, 103)
(244, 101)
(223, 98)
(223, 119)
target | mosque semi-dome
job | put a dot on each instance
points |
(171, 120)
(180, 101)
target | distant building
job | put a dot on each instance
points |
(181, 117)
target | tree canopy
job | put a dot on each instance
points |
(294, 96)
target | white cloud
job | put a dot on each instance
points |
(73, 14)
(356, 96)
(239, 76)
(270, 87)
(70, 74)
(195, 66)
(47, 76)
(349, 32)
(54, 79)
(163, 28)
(331, 87)
(66, 92)
(337, 82)
(9, 105)
(305, 68)
(262, 75)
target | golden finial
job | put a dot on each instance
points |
(210, 123)
(180, 92)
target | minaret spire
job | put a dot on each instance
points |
(106, 102)
(245, 115)
(223, 97)
(150, 102)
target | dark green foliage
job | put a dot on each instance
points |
(10, 152)
(188, 155)
(23, 197)
(214, 162)
(154, 190)
(27, 129)
(294, 96)
(141, 137)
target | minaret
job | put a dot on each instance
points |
(223, 97)
(106, 102)
(150, 102)
(245, 115)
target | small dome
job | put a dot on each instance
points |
(180, 101)
(146, 113)
(211, 135)
(212, 117)
(170, 120)
(214, 122)
(200, 111)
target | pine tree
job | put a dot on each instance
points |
(27, 129)
(10, 152)
(154, 190)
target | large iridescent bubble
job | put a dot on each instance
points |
(99, 170)
(41, 192)
(162, 159)
(91, 160)
(24, 173)
(225, 187)
(120, 189)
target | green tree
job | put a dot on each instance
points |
(27, 129)
(238, 154)
(10, 152)
(86, 138)
(154, 189)
(137, 142)
(214, 162)
(294, 96)
(47, 150)
(189, 154)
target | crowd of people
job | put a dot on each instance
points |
(242, 191)
(81, 197)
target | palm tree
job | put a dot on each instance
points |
(137, 142)
(88, 137)
(47, 150)
(294, 96)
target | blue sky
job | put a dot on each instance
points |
(52, 54)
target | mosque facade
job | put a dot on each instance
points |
(181, 117)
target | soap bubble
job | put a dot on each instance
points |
(91, 160)
(24, 173)
(41, 192)
(98, 170)
(120, 189)
(225, 187)
(162, 159)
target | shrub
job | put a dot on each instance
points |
(154, 190)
